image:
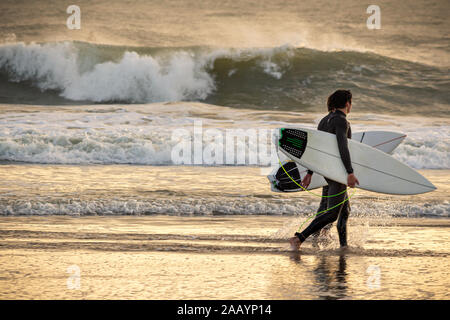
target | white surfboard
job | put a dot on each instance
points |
(385, 141)
(375, 170)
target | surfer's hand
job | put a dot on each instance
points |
(352, 180)
(306, 181)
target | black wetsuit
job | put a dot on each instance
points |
(323, 126)
(334, 122)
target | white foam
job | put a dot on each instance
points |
(141, 134)
(426, 146)
(133, 78)
(216, 205)
(180, 75)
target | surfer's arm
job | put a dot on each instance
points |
(341, 136)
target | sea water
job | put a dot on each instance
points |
(90, 119)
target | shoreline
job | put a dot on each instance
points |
(167, 257)
(114, 190)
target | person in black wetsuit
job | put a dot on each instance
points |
(335, 123)
(323, 126)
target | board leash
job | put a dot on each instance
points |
(317, 195)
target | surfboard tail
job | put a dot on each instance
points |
(293, 141)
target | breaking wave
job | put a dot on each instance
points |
(285, 77)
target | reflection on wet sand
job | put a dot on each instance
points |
(329, 275)
(163, 257)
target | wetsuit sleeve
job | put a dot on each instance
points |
(341, 136)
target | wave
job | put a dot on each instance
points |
(148, 135)
(212, 206)
(78, 73)
(285, 77)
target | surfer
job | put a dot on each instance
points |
(339, 105)
(323, 126)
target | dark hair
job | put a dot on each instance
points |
(339, 99)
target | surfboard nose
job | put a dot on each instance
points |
(426, 183)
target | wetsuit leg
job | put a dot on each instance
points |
(331, 215)
(322, 206)
(342, 222)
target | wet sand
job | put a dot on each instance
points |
(218, 257)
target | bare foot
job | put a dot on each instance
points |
(295, 243)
